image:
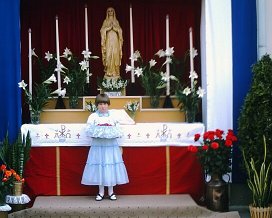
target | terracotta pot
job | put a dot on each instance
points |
(260, 212)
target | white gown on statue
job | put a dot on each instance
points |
(105, 165)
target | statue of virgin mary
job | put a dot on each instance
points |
(111, 45)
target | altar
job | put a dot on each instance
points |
(155, 155)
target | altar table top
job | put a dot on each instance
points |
(137, 135)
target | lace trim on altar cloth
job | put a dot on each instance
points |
(5, 207)
(22, 199)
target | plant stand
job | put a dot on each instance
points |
(260, 212)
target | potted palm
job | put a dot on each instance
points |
(260, 184)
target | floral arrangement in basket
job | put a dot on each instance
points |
(215, 153)
(89, 106)
(112, 85)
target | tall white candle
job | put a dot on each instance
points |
(58, 52)
(30, 61)
(87, 42)
(86, 29)
(191, 55)
(167, 65)
(131, 44)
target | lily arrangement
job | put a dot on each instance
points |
(38, 99)
(152, 77)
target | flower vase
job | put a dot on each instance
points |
(190, 116)
(17, 188)
(154, 101)
(35, 117)
(216, 194)
(73, 102)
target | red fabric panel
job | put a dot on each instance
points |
(186, 173)
(146, 171)
(72, 163)
(40, 172)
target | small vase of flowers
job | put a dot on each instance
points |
(131, 107)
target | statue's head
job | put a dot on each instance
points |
(110, 12)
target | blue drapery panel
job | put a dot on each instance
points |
(10, 69)
(244, 38)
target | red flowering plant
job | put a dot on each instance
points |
(7, 176)
(215, 152)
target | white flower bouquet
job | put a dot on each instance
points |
(132, 106)
(90, 106)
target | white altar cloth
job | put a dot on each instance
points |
(137, 135)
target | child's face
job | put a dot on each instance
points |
(103, 107)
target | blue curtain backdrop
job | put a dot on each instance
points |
(244, 42)
(10, 69)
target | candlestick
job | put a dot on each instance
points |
(131, 44)
(167, 65)
(191, 56)
(30, 61)
(87, 43)
(58, 53)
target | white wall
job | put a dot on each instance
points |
(216, 64)
(264, 25)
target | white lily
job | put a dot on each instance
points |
(129, 68)
(84, 65)
(33, 52)
(152, 63)
(67, 52)
(66, 80)
(86, 54)
(135, 56)
(160, 53)
(60, 92)
(60, 67)
(22, 85)
(186, 91)
(48, 56)
(169, 51)
(193, 75)
(201, 92)
(138, 71)
(51, 79)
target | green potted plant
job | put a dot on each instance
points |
(260, 183)
(38, 98)
(15, 155)
(255, 117)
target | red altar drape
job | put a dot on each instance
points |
(58, 171)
